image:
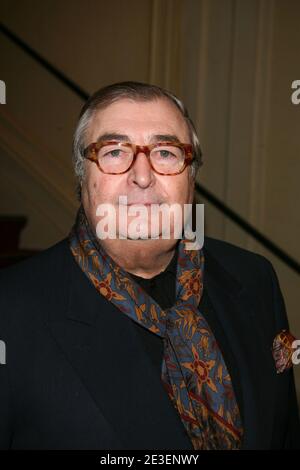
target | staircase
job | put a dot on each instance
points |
(11, 227)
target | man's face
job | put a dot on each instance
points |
(142, 122)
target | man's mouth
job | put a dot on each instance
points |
(141, 203)
(146, 202)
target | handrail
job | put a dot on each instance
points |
(217, 203)
(44, 62)
(244, 225)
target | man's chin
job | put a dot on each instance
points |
(138, 237)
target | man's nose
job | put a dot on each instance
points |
(141, 172)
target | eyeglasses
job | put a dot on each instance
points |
(114, 157)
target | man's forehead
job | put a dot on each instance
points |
(124, 117)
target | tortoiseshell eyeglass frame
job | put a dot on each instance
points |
(91, 151)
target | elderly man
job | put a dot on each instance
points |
(136, 342)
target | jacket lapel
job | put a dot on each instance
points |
(102, 345)
(240, 321)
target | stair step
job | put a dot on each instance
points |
(10, 231)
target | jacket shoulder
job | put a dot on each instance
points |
(255, 273)
(40, 278)
(30, 268)
(239, 262)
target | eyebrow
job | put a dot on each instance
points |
(125, 138)
(113, 136)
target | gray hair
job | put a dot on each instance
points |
(137, 92)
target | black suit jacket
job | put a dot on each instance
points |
(78, 377)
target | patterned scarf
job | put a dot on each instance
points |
(193, 372)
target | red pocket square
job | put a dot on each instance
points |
(282, 350)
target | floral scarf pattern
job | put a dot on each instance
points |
(193, 371)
